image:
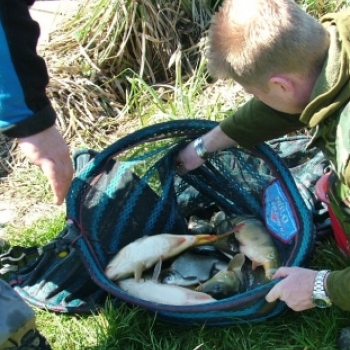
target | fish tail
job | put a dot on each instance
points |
(235, 229)
(226, 234)
(269, 272)
(156, 271)
(204, 239)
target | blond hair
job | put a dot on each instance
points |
(250, 40)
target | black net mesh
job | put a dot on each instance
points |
(132, 190)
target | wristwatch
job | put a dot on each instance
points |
(200, 149)
(320, 297)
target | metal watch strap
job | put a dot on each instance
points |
(200, 149)
(319, 290)
(318, 286)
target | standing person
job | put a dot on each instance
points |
(297, 70)
(27, 115)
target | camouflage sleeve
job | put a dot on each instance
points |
(338, 287)
(255, 122)
(12, 304)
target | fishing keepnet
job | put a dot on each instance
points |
(131, 190)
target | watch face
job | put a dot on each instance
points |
(322, 303)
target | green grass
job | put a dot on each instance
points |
(134, 328)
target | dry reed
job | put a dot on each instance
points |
(95, 54)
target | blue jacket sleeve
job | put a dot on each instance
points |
(24, 106)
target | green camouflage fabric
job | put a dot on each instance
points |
(329, 110)
(342, 154)
(332, 137)
(329, 114)
(15, 312)
(341, 210)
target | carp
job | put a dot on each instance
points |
(253, 278)
(217, 219)
(190, 269)
(145, 252)
(163, 293)
(228, 245)
(222, 224)
(227, 282)
(199, 226)
(256, 243)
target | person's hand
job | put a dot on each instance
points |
(188, 160)
(49, 151)
(295, 289)
(214, 140)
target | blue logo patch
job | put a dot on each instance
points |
(279, 215)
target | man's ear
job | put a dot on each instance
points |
(282, 84)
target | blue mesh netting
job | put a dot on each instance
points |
(131, 189)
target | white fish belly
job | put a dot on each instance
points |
(164, 293)
(144, 253)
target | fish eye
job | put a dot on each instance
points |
(218, 288)
(167, 279)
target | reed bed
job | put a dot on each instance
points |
(101, 58)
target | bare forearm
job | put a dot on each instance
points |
(214, 140)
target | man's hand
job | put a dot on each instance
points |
(214, 140)
(49, 151)
(295, 289)
(188, 160)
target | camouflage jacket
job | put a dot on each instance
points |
(329, 111)
(328, 114)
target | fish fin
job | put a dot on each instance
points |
(156, 271)
(191, 280)
(230, 256)
(239, 275)
(138, 271)
(269, 273)
(205, 239)
(235, 229)
(198, 288)
(228, 233)
(236, 262)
